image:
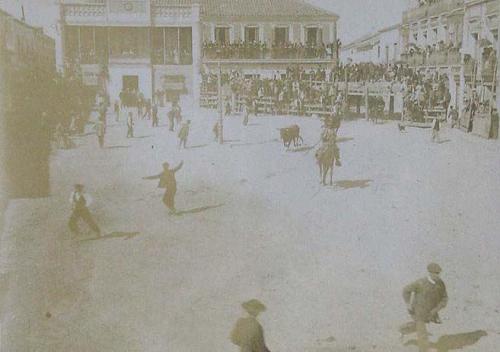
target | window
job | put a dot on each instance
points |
(87, 48)
(101, 44)
(172, 46)
(129, 42)
(251, 34)
(222, 35)
(185, 46)
(313, 36)
(280, 35)
(158, 47)
(71, 43)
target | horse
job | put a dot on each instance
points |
(291, 134)
(325, 157)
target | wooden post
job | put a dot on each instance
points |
(219, 91)
(366, 101)
(346, 89)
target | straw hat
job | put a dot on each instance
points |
(254, 306)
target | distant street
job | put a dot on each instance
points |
(254, 222)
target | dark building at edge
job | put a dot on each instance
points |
(27, 65)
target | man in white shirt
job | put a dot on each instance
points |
(80, 202)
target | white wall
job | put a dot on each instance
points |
(382, 39)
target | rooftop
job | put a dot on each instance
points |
(241, 8)
(261, 8)
(369, 37)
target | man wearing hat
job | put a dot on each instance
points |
(424, 299)
(80, 202)
(183, 134)
(248, 333)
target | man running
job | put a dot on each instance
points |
(80, 202)
(169, 183)
(424, 299)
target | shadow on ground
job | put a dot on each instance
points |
(197, 146)
(304, 148)
(124, 235)
(198, 210)
(256, 143)
(344, 139)
(454, 342)
(348, 184)
(117, 147)
(141, 137)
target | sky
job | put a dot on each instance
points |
(357, 17)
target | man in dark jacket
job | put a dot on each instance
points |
(424, 299)
(80, 202)
(169, 183)
(248, 333)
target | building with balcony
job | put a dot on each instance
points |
(264, 38)
(382, 47)
(142, 45)
(155, 45)
(458, 38)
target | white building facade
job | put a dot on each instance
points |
(141, 45)
(382, 47)
(162, 45)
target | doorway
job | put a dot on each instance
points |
(130, 83)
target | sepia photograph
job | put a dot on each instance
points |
(249, 176)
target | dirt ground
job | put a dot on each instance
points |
(329, 262)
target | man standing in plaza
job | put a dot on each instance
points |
(100, 131)
(435, 129)
(130, 126)
(169, 183)
(247, 333)
(183, 134)
(424, 299)
(117, 110)
(154, 114)
(80, 202)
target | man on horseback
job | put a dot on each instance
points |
(328, 153)
(329, 139)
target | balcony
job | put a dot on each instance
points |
(432, 10)
(257, 52)
(84, 13)
(437, 58)
(130, 12)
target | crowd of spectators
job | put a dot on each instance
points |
(440, 53)
(262, 50)
(422, 3)
(298, 87)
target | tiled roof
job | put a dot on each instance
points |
(260, 8)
